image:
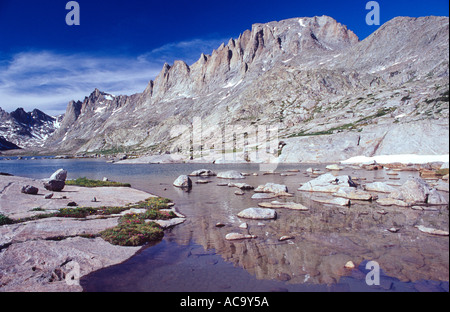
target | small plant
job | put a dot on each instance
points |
(4, 220)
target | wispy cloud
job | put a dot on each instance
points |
(49, 80)
(188, 51)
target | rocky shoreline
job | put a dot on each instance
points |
(49, 253)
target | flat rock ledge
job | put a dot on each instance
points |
(52, 254)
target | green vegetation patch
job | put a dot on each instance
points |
(135, 229)
(4, 220)
(84, 182)
(133, 233)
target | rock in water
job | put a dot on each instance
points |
(431, 231)
(271, 188)
(238, 236)
(350, 265)
(328, 183)
(258, 214)
(30, 190)
(183, 181)
(263, 196)
(334, 168)
(230, 175)
(282, 205)
(203, 173)
(242, 186)
(391, 202)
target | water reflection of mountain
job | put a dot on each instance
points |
(326, 238)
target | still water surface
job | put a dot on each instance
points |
(195, 257)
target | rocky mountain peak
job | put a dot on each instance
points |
(264, 43)
(310, 76)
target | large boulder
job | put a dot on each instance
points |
(414, 190)
(54, 185)
(328, 183)
(230, 175)
(57, 181)
(183, 181)
(59, 175)
(417, 191)
(258, 214)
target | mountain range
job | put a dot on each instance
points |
(20, 129)
(329, 95)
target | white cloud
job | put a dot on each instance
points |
(49, 80)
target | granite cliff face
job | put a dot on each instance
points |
(330, 95)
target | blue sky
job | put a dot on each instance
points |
(121, 45)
